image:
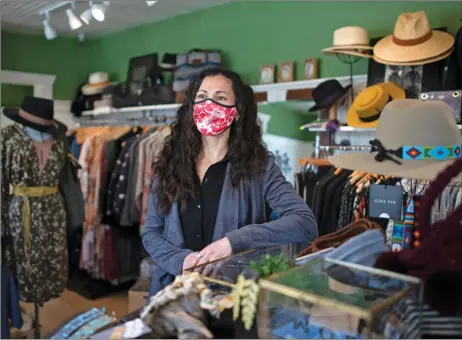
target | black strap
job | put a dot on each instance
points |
(377, 115)
(382, 153)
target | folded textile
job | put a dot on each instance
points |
(335, 239)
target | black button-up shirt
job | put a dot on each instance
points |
(199, 217)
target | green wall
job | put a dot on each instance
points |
(248, 34)
(254, 33)
(63, 57)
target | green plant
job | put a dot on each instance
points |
(269, 265)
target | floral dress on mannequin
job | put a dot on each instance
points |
(33, 228)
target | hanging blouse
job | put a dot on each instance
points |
(33, 216)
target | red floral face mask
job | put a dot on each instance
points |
(212, 118)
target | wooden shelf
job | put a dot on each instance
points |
(350, 129)
(270, 93)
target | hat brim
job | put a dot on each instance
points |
(356, 53)
(416, 62)
(353, 119)
(426, 170)
(89, 89)
(327, 102)
(55, 129)
(439, 43)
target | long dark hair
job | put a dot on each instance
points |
(175, 168)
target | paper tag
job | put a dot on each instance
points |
(386, 201)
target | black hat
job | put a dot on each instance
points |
(36, 113)
(168, 62)
(326, 93)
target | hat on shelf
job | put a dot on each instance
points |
(97, 82)
(36, 113)
(414, 139)
(327, 93)
(168, 62)
(413, 42)
(352, 40)
(368, 105)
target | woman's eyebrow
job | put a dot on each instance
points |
(202, 91)
(221, 92)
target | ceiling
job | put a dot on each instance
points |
(22, 15)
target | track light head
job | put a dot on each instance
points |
(99, 11)
(48, 30)
(86, 16)
(151, 3)
(74, 21)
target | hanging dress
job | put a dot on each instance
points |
(33, 225)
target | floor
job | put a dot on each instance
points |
(55, 312)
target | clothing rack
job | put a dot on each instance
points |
(116, 120)
(344, 147)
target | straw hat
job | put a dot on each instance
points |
(368, 105)
(414, 139)
(412, 41)
(417, 62)
(351, 40)
(97, 82)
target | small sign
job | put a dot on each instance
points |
(386, 201)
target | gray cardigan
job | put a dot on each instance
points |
(241, 217)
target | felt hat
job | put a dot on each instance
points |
(413, 41)
(327, 93)
(168, 62)
(414, 139)
(352, 40)
(97, 82)
(36, 113)
(368, 105)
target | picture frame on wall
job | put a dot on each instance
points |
(414, 79)
(310, 69)
(267, 73)
(286, 72)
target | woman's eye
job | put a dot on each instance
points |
(200, 96)
(222, 99)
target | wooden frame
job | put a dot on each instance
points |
(267, 78)
(310, 69)
(286, 72)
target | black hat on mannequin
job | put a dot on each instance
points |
(327, 93)
(36, 113)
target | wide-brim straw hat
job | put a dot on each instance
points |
(368, 105)
(414, 139)
(416, 62)
(413, 40)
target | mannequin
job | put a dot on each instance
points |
(33, 215)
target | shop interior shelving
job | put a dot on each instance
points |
(267, 93)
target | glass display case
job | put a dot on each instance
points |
(222, 274)
(331, 299)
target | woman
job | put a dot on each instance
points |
(213, 181)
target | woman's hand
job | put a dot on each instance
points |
(214, 251)
(190, 261)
